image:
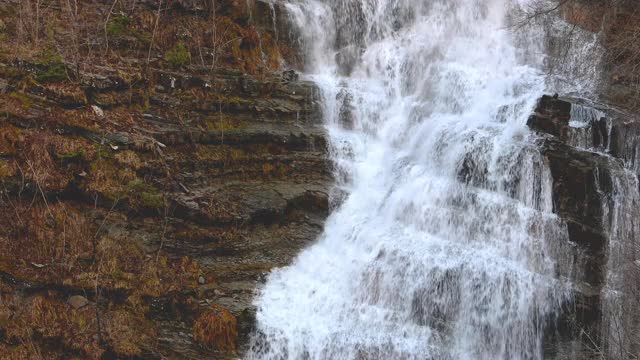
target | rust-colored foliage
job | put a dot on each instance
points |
(43, 155)
(55, 236)
(61, 171)
(216, 328)
(132, 31)
(44, 317)
(250, 37)
(128, 332)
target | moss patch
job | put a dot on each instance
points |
(23, 99)
(218, 123)
(224, 153)
(49, 67)
(71, 156)
(143, 194)
(51, 72)
(118, 25)
(178, 56)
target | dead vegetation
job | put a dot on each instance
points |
(74, 36)
(88, 192)
(54, 247)
(216, 328)
(51, 256)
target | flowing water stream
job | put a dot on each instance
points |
(442, 244)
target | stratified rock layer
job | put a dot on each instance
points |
(589, 148)
(218, 176)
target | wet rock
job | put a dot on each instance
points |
(581, 180)
(272, 17)
(346, 115)
(598, 127)
(290, 75)
(583, 173)
(100, 82)
(624, 142)
(347, 58)
(551, 116)
(472, 171)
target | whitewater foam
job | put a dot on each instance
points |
(444, 244)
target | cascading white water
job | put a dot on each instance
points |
(619, 294)
(444, 244)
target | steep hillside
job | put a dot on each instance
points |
(154, 165)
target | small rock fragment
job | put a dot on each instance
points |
(4, 87)
(97, 111)
(201, 280)
(290, 75)
(78, 301)
(262, 277)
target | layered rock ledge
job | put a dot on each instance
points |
(591, 150)
(155, 201)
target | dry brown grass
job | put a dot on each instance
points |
(10, 137)
(129, 158)
(128, 332)
(41, 157)
(58, 239)
(43, 316)
(87, 34)
(216, 328)
(61, 246)
(54, 236)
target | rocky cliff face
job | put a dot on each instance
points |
(164, 211)
(591, 151)
(143, 201)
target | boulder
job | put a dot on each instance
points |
(551, 116)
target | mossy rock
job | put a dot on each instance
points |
(71, 156)
(51, 72)
(144, 195)
(49, 67)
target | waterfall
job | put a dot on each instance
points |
(442, 243)
(621, 286)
